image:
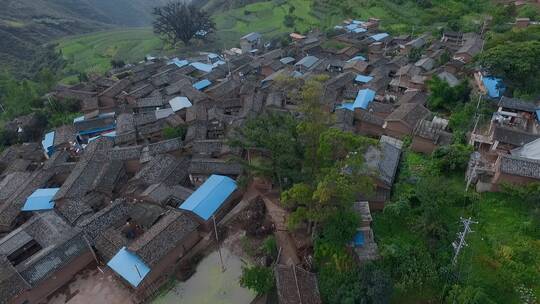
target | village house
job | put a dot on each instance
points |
(402, 121)
(39, 257)
(251, 42)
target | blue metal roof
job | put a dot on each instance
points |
(359, 30)
(359, 239)
(364, 98)
(357, 58)
(287, 60)
(129, 266)
(351, 26)
(494, 86)
(78, 119)
(363, 78)
(179, 103)
(207, 68)
(98, 130)
(202, 84)
(111, 134)
(379, 37)
(47, 143)
(41, 199)
(209, 196)
(179, 63)
(307, 61)
(252, 37)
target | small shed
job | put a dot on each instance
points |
(210, 196)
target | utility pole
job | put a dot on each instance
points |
(459, 244)
(218, 245)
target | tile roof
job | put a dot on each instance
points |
(409, 113)
(519, 166)
(163, 236)
(296, 285)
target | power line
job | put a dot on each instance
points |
(459, 244)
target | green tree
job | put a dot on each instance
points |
(445, 97)
(274, 137)
(257, 278)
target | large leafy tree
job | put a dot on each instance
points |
(517, 63)
(179, 21)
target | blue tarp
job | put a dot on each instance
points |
(363, 99)
(494, 86)
(41, 199)
(363, 78)
(202, 84)
(129, 266)
(359, 239)
(207, 68)
(538, 115)
(47, 143)
(209, 196)
(379, 37)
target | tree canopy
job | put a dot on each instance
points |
(180, 21)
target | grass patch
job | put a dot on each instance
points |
(504, 249)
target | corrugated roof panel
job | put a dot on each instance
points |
(129, 266)
(210, 196)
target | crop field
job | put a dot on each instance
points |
(92, 53)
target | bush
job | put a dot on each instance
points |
(269, 247)
(257, 278)
(452, 158)
(174, 132)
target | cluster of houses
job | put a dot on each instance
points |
(112, 186)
